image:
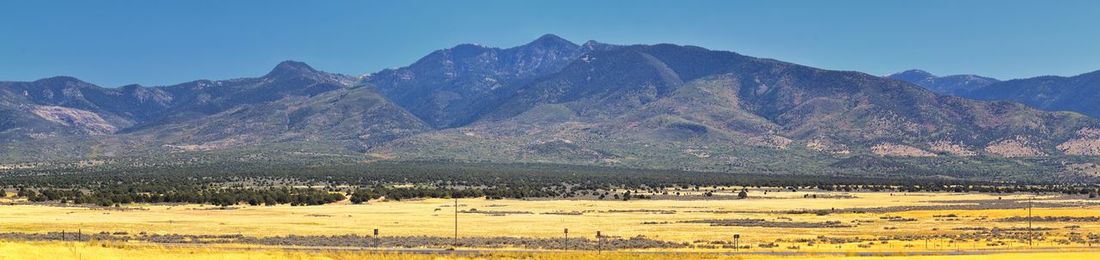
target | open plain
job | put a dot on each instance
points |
(769, 223)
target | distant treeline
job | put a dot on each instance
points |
(226, 197)
(271, 184)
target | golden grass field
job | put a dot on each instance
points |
(529, 218)
(62, 251)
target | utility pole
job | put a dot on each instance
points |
(1029, 229)
(456, 222)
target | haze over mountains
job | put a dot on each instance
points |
(552, 100)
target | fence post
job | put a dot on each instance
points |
(599, 243)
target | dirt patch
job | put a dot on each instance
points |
(87, 121)
(951, 148)
(747, 222)
(1017, 147)
(899, 150)
(494, 212)
(1050, 219)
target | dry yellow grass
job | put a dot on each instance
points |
(434, 217)
(63, 251)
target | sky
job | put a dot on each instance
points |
(115, 43)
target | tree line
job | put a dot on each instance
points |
(273, 184)
(224, 197)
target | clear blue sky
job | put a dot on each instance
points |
(112, 43)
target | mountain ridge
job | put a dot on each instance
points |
(1051, 93)
(1074, 93)
(551, 100)
(443, 87)
(958, 85)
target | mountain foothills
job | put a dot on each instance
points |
(647, 106)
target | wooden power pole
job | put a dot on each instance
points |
(456, 223)
(599, 243)
(1029, 229)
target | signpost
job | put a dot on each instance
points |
(566, 238)
(377, 242)
(736, 240)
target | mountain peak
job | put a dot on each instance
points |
(958, 85)
(914, 73)
(291, 68)
(912, 76)
(58, 79)
(62, 80)
(551, 40)
(592, 45)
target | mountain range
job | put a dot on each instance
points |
(1053, 93)
(551, 100)
(958, 85)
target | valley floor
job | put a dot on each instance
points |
(776, 224)
(82, 250)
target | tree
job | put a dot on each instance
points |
(25, 193)
(744, 194)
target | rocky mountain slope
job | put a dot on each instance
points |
(713, 105)
(446, 88)
(659, 106)
(293, 102)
